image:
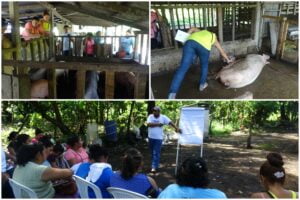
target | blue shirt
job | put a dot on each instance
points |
(182, 192)
(97, 173)
(127, 44)
(138, 183)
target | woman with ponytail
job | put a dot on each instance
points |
(130, 178)
(272, 177)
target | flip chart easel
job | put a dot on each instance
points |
(192, 120)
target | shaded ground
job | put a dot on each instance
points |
(233, 168)
(278, 80)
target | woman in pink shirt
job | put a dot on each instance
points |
(32, 29)
(89, 44)
(76, 153)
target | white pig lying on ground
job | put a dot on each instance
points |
(243, 71)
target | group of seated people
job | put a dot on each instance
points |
(47, 169)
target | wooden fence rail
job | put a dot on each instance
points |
(140, 71)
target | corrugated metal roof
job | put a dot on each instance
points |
(133, 14)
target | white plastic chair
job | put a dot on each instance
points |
(83, 185)
(119, 193)
(19, 189)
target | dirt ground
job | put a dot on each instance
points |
(233, 169)
(278, 80)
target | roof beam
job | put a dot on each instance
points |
(51, 7)
(97, 14)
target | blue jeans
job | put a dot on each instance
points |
(155, 147)
(190, 49)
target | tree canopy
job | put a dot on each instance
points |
(69, 117)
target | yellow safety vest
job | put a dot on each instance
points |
(205, 38)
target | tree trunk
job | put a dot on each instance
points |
(151, 105)
(129, 117)
(283, 116)
(249, 142)
(57, 121)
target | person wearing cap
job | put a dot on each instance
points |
(199, 43)
(155, 123)
(67, 42)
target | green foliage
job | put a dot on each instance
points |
(62, 118)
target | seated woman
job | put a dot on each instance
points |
(76, 153)
(31, 173)
(12, 142)
(272, 177)
(21, 140)
(56, 159)
(48, 145)
(191, 182)
(129, 177)
(97, 170)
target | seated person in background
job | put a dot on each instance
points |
(11, 145)
(272, 177)
(5, 186)
(191, 182)
(89, 45)
(32, 29)
(97, 170)
(31, 173)
(56, 159)
(38, 135)
(21, 140)
(75, 153)
(48, 145)
(129, 177)
(45, 24)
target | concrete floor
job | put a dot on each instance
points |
(278, 80)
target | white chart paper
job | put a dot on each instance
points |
(192, 125)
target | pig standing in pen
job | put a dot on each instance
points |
(244, 71)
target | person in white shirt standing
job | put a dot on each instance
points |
(155, 123)
(67, 42)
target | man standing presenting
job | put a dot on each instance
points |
(155, 123)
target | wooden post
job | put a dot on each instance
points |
(233, 23)
(204, 18)
(285, 30)
(51, 39)
(52, 83)
(109, 84)
(257, 23)
(140, 86)
(14, 19)
(24, 81)
(80, 84)
(220, 24)
(173, 27)
(261, 28)
(281, 37)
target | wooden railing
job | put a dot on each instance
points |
(105, 46)
(36, 54)
(140, 71)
